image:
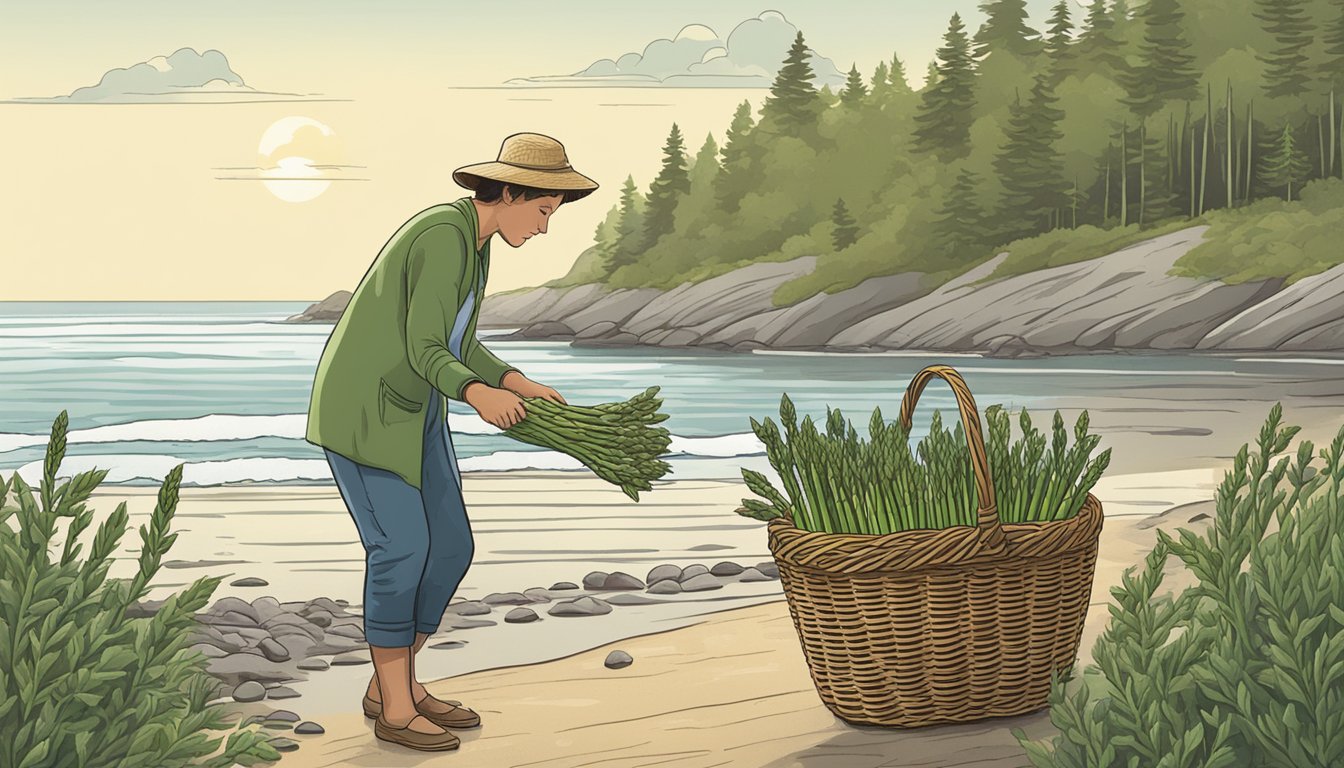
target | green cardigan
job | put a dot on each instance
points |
(389, 351)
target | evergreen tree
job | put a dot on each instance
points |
(705, 170)
(1332, 66)
(896, 76)
(1059, 40)
(1166, 72)
(960, 234)
(854, 90)
(931, 75)
(672, 182)
(735, 175)
(844, 231)
(1285, 64)
(793, 100)
(629, 228)
(1029, 165)
(1285, 166)
(947, 108)
(1005, 29)
(1098, 42)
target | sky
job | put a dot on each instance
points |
(151, 185)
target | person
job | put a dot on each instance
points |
(405, 344)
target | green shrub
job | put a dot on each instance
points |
(1246, 667)
(80, 683)
(838, 483)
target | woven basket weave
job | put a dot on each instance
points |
(938, 626)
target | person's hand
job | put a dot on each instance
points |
(522, 386)
(499, 407)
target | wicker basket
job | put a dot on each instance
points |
(939, 626)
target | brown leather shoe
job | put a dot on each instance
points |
(445, 714)
(429, 742)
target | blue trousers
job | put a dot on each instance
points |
(417, 543)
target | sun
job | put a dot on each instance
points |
(297, 149)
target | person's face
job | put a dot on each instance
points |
(520, 219)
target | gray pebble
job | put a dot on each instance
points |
(469, 608)
(283, 716)
(751, 574)
(726, 568)
(700, 583)
(561, 586)
(521, 616)
(619, 660)
(282, 744)
(249, 691)
(273, 650)
(584, 606)
(664, 571)
(769, 568)
(308, 727)
(314, 665)
(665, 587)
(449, 644)
(282, 692)
(506, 598)
(622, 580)
(692, 571)
(349, 660)
(537, 595)
(595, 580)
(250, 581)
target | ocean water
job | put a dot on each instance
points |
(223, 387)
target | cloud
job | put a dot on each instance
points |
(185, 77)
(698, 58)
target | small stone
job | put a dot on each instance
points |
(537, 595)
(665, 587)
(449, 644)
(346, 630)
(561, 586)
(521, 616)
(595, 580)
(751, 574)
(664, 571)
(506, 598)
(341, 602)
(314, 665)
(249, 691)
(273, 650)
(584, 606)
(1199, 518)
(282, 692)
(282, 716)
(469, 608)
(352, 659)
(250, 581)
(472, 623)
(726, 568)
(209, 651)
(692, 571)
(308, 727)
(282, 744)
(621, 580)
(769, 568)
(619, 660)
(700, 583)
(320, 618)
(226, 604)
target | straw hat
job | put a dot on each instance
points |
(532, 160)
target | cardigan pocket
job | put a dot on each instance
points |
(402, 406)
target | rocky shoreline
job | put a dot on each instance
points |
(1125, 301)
(256, 649)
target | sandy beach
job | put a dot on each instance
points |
(717, 679)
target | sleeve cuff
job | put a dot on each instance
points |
(461, 391)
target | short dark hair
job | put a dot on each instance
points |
(490, 190)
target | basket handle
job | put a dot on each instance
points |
(988, 513)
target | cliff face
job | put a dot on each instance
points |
(1123, 301)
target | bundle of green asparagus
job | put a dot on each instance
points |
(616, 440)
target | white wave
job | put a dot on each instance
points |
(722, 446)
(125, 468)
(141, 330)
(69, 320)
(216, 426)
(887, 353)
(1299, 360)
(192, 362)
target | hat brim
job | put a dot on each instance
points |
(570, 181)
